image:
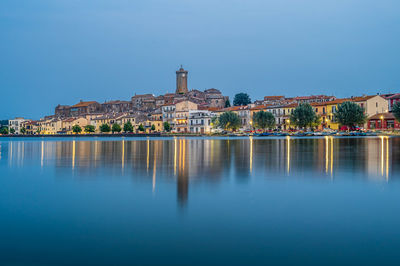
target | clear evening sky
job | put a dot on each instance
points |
(58, 52)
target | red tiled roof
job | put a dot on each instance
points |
(313, 97)
(84, 104)
(273, 97)
(260, 107)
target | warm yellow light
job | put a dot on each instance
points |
(382, 117)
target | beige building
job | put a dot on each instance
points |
(372, 104)
(68, 123)
(50, 126)
(182, 110)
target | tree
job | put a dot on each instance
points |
(303, 115)
(128, 127)
(167, 127)
(141, 128)
(22, 130)
(38, 131)
(76, 129)
(215, 122)
(4, 130)
(153, 127)
(316, 122)
(90, 129)
(105, 128)
(116, 128)
(12, 130)
(241, 99)
(229, 120)
(264, 120)
(396, 111)
(350, 114)
(227, 103)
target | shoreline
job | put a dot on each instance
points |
(145, 135)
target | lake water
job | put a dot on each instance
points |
(200, 201)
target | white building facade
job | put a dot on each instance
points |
(16, 124)
(200, 121)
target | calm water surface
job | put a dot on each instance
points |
(199, 201)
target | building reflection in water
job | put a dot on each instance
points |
(198, 160)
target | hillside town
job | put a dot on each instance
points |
(193, 111)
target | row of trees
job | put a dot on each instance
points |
(114, 128)
(348, 114)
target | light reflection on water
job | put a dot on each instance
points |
(213, 182)
(209, 159)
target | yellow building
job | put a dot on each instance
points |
(110, 119)
(31, 127)
(158, 125)
(287, 111)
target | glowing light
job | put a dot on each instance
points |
(387, 158)
(184, 154)
(73, 154)
(326, 153)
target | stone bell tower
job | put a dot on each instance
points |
(181, 81)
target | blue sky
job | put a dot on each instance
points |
(58, 52)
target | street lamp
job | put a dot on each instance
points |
(382, 122)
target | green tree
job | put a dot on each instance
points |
(76, 129)
(263, 120)
(128, 127)
(22, 130)
(167, 127)
(241, 99)
(116, 128)
(229, 120)
(350, 114)
(4, 130)
(396, 111)
(90, 129)
(105, 128)
(38, 131)
(141, 128)
(12, 130)
(227, 103)
(215, 122)
(316, 122)
(303, 116)
(153, 127)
